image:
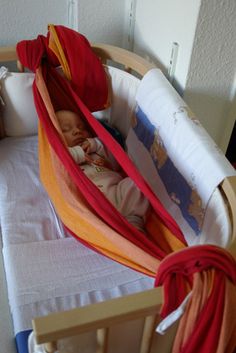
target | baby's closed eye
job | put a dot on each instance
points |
(66, 128)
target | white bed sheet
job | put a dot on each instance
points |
(26, 214)
(46, 269)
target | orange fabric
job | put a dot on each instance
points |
(168, 242)
(199, 296)
(227, 340)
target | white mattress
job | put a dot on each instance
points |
(46, 269)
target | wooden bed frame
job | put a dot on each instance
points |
(102, 316)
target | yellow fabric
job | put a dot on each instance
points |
(55, 46)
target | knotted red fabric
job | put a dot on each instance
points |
(92, 88)
(211, 268)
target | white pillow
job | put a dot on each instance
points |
(124, 88)
(19, 113)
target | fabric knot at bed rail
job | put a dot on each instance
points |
(60, 46)
(210, 273)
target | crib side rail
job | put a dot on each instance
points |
(105, 52)
(100, 317)
(8, 54)
(228, 189)
(128, 59)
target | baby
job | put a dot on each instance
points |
(102, 169)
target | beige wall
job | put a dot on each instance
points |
(210, 87)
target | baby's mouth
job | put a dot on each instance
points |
(78, 140)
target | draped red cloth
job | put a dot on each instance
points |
(87, 90)
(92, 89)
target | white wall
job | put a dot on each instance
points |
(99, 20)
(102, 20)
(160, 23)
(25, 19)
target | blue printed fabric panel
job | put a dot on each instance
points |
(180, 192)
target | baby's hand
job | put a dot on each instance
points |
(85, 145)
(88, 159)
(100, 162)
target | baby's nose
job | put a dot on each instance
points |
(76, 131)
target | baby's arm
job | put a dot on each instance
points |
(92, 145)
(95, 145)
(81, 152)
(98, 147)
(78, 154)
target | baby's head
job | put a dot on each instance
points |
(73, 127)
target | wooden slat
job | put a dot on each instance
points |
(102, 340)
(148, 331)
(50, 347)
(96, 316)
(2, 132)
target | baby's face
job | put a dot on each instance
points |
(73, 127)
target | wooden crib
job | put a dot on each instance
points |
(103, 317)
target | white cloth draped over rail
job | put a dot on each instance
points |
(189, 163)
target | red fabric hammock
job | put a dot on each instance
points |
(86, 89)
(69, 95)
